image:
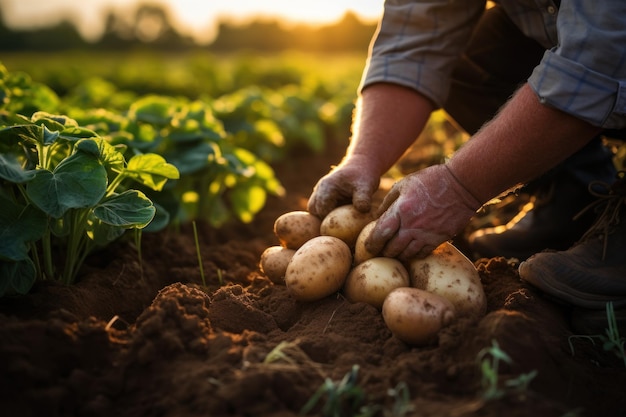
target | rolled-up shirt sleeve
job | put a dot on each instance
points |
(417, 44)
(585, 74)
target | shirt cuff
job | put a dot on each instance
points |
(429, 82)
(575, 89)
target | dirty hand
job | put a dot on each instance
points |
(420, 212)
(349, 182)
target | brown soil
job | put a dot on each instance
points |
(149, 339)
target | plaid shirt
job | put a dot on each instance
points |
(583, 71)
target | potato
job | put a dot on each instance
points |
(274, 261)
(345, 222)
(318, 269)
(373, 279)
(360, 252)
(416, 316)
(295, 228)
(449, 273)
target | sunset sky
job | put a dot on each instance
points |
(194, 17)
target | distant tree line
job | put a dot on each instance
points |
(151, 26)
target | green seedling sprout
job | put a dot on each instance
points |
(489, 360)
(402, 401)
(278, 353)
(220, 277)
(611, 340)
(197, 242)
(343, 399)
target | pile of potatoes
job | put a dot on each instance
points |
(317, 258)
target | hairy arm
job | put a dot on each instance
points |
(522, 142)
(388, 119)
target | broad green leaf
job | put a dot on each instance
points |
(129, 209)
(269, 130)
(111, 156)
(88, 146)
(191, 159)
(48, 136)
(143, 137)
(11, 170)
(153, 109)
(53, 121)
(74, 133)
(102, 233)
(14, 134)
(151, 170)
(18, 276)
(13, 119)
(79, 181)
(247, 201)
(160, 220)
(19, 226)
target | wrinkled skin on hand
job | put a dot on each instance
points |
(349, 182)
(420, 212)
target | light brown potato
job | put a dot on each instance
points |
(274, 261)
(449, 273)
(361, 253)
(372, 280)
(295, 228)
(345, 222)
(318, 269)
(416, 316)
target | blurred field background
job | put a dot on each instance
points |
(142, 49)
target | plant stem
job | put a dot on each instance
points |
(195, 236)
(46, 247)
(76, 248)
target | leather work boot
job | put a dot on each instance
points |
(547, 221)
(591, 273)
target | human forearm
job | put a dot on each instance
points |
(522, 142)
(388, 120)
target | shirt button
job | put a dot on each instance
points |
(551, 9)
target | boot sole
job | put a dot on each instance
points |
(566, 293)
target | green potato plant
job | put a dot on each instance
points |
(219, 179)
(65, 192)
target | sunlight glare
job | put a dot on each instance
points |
(193, 17)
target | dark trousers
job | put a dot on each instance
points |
(497, 61)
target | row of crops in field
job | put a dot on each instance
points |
(93, 146)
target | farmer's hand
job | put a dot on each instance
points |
(352, 181)
(420, 212)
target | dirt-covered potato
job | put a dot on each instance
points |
(345, 222)
(360, 251)
(372, 280)
(295, 228)
(274, 261)
(318, 269)
(416, 316)
(449, 273)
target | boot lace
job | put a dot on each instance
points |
(610, 199)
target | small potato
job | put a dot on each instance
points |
(318, 269)
(274, 261)
(416, 316)
(295, 228)
(360, 252)
(371, 280)
(449, 273)
(345, 222)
